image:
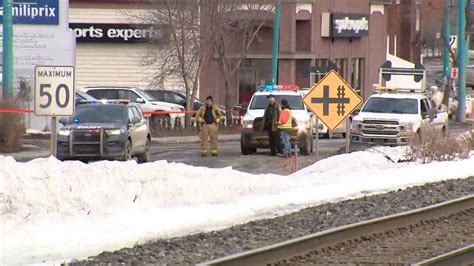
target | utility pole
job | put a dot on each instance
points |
(462, 59)
(446, 35)
(276, 41)
(447, 53)
(7, 42)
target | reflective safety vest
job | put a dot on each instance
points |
(285, 121)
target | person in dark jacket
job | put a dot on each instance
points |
(209, 116)
(270, 124)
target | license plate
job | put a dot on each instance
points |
(379, 141)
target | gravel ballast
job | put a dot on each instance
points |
(201, 247)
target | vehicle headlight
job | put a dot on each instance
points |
(114, 132)
(64, 132)
(247, 123)
(302, 125)
(407, 127)
(356, 125)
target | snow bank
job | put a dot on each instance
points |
(53, 211)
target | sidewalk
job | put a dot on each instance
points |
(192, 139)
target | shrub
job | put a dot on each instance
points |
(434, 145)
(469, 140)
(11, 129)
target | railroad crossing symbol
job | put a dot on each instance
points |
(332, 100)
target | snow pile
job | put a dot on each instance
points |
(53, 211)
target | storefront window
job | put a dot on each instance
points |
(357, 75)
(321, 66)
(341, 65)
(325, 65)
(253, 72)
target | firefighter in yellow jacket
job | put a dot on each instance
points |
(209, 117)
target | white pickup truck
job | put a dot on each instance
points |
(252, 135)
(393, 118)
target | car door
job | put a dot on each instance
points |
(139, 130)
(424, 112)
(132, 131)
(438, 122)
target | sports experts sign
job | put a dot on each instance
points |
(36, 12)
(349, 25)
(114, 33)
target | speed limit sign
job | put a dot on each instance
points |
(54, 90)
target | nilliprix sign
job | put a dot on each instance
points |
(36, 12)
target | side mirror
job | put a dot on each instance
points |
(139, 100)
(63, 120)
(432, 113)
(136, 120)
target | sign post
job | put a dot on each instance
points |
(317, 138)
(333, 100)
(7, 47)
(54, 95)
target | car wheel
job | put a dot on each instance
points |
(127, 152)
(306, 149)
(246, 150)
(145, 156)
(328, 135)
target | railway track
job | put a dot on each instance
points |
(408, 237)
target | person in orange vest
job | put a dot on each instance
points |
(285, 126)
(209, 116)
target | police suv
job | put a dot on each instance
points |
(253, 136)
(104, 130)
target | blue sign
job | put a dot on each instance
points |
(36, 12)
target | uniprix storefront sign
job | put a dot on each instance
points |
(349, 25)
(34, 12)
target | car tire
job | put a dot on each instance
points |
(145, 156)
(328, 135)
(127, 151)
(246, 150)
(306, 149)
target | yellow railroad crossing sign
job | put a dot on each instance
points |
(332, 100)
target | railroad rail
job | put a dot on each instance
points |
(460, 257)
(282, 252)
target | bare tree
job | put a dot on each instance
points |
(180, 46)
(235, 26)
(198, 30)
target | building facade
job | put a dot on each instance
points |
(347, 35)
(112, 45)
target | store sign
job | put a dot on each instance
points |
(36, 12)
(349, 25)
(113, 33)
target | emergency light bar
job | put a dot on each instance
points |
(278, 87)
(382, 89)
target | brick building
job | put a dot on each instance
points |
(309, 37)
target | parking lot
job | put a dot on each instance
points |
(229, 155)
(186, 150)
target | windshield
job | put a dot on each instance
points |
(147, 96)
(294, 101)
(101, 113)
(391, 105)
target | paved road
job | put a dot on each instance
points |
(229, 155)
